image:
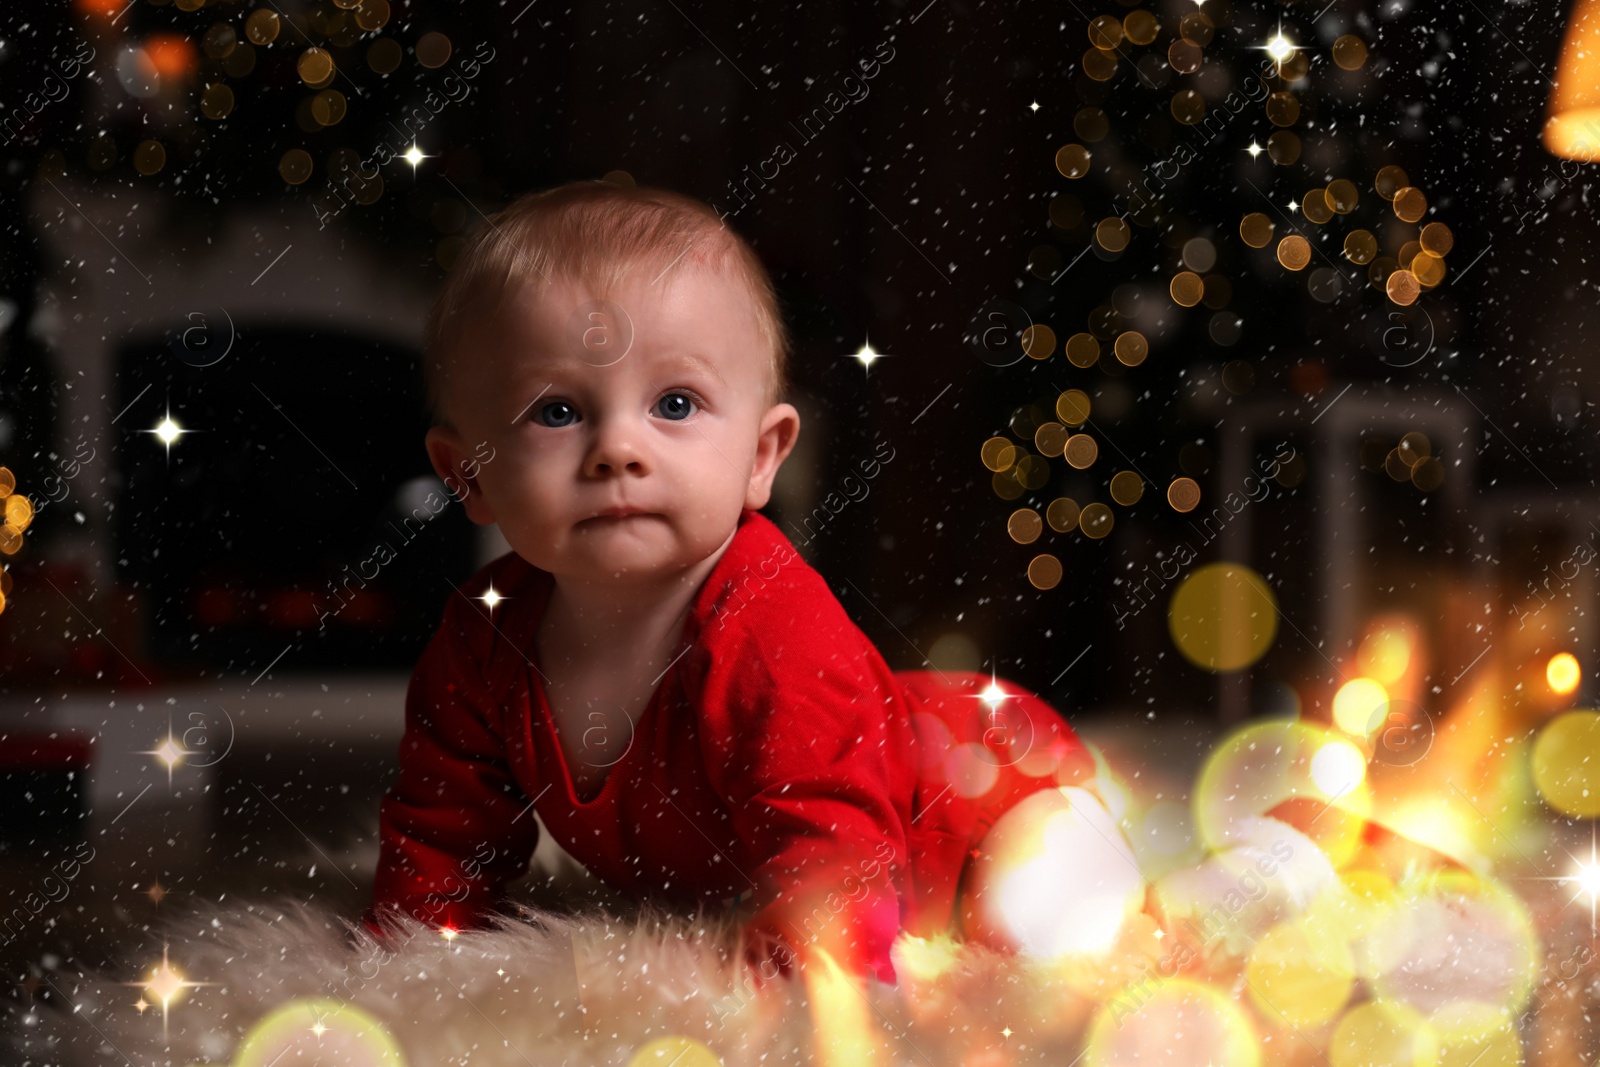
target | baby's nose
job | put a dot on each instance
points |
(616, 447)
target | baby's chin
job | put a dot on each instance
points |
(632, 550)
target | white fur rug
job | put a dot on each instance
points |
(582, 990)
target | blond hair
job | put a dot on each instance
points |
(597, 233)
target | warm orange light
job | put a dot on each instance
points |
(103, 8)
(1360, 706)
(171, 54)
(1573, 126)
(1563, 672)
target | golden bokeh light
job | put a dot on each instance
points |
(1091, 124)
(1082, 350)
(1024, 526)
(216, 101)
(1081, 451)
(262, 26)
(1360, 706)
(295, 166)
(1072, 407)
(1100, 64)
(1223, 617)
(322, 1030)
(1283, 109)
(315, 67)
(1183, 494)
(1428, 268)
(1283, 148)
(18, 510)
(1050, 438)
(1096, 520)
(1072, 160)
(10, 540)
(1294, 252)
(1566, 764)
(1562, 672)
(1343, 197)
(999, 454)
(1126, 488)
(1185, 57)
(1105, 31)
(1385, 655)
(1131, 348)
(1315, 206)
(1572, 125)
(1302, 972)
(433, 50)
(1179, 1014)
(1437, 239)
(1062, 514)
(1415, 447)
(1141, 27)
(1389, 181)
(1038, 341)
(1188, 106)
(1112, 234)
(1403, 288)
(1044, 571)
(1410, 204)
(1360, 246)
(1255, 229)
(1187, 288)
(1383, 1034)
(8, 482)
(149, 157)
(1349, 52)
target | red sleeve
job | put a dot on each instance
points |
(796, 735)
(456, 826)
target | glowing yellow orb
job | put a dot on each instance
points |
(1054, 877)
(1300, 972)
(1500, 1049)
(1382, 1034)
(1459, 950)
(1566, 764)
(1360, 706)
(674, 1051)
(1385, 655)
(1223, 617)
(1563, 672)
(319, 1030)
(1267, 764)
(1136, 1028)
(1338, 767)
(1279, 48)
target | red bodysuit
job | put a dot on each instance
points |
(779, 759)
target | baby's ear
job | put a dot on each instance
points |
(780, 429)
(457, 467)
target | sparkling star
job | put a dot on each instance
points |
(166, 983)
(501, 972)
(167, 431)
(449, 933)
(1254, 150)
(169, 752)
(992, 694)
(491, 598)
(319, 1029)
(1294, 205)
(156, 893)
(1034, 106)
(1008, 1032)
(1280, 47)
(414, 156)
(866, 355)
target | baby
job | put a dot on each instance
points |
(654, 670)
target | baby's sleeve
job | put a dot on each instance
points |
(456, 826)
(803, 758)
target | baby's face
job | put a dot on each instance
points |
(582, 419)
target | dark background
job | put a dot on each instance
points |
(907, 214)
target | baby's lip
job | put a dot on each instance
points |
(618, 513)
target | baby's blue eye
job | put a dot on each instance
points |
(675, 406)
(557, 413)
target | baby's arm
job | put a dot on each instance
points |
(456, 826)
(804, 767)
